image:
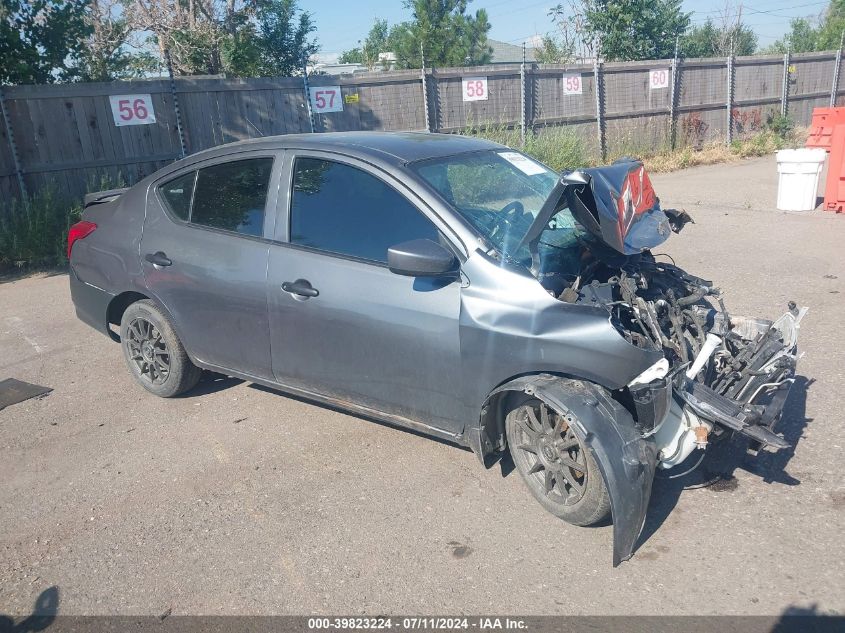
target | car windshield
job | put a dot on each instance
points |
(500, 192)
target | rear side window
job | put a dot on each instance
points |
(343, 209)
(229, 196)
(232, 196)
(177, 195)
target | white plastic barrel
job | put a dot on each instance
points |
(798, 178)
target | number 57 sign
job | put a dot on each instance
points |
(325, 99)
(132, 109)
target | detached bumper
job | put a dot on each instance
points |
(753, 421)
(91, 303)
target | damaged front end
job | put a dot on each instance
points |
(720, 374)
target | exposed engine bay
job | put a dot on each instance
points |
(720, 373)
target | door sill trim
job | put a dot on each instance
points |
(349, 407)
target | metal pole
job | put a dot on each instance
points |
(835, 87)
(597, 79)
(730, 100)
(784, 92)
(10, 134)
(522, 100)
(307, 92)
(176, 109)
(673, 98)
(425, 90)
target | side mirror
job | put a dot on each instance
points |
(421, 258)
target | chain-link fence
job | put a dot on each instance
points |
(70, 134)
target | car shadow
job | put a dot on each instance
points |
(209, 383)
(721, 461)
(43, 614)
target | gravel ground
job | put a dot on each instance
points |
(238, 500)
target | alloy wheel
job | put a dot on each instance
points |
(148, 350)
(552, 456)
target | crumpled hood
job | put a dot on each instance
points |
(619, 206)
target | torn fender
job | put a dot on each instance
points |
(626, 459)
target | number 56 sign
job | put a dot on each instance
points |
(325, 99)
(132, 109)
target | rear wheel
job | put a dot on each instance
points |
(154, 354)
(556, 466)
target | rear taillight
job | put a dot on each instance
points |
(77, 232)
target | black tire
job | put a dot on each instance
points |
(154, 354)
(558, 469)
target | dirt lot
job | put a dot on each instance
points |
(239, 500)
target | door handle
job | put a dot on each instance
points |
(158, 259)
(300, 287)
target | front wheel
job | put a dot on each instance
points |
(556, 466)
(154, 354)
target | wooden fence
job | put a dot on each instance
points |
(67, 135)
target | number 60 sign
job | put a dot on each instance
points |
(132, 109)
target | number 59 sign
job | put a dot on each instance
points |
(325, 99)
(474, 88)
(132, 109)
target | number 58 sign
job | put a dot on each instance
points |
(132, 109)
(474, 88)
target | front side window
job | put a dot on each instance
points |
(343, 209)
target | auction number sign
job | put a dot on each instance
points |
(474, 88)
(325, 99)
(132, 109)
(572, 85)
(658, 78)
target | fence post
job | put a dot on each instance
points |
(784, 91)
(425, 90)
(673, 98)
(307, 92)
(522, 100)
(835, 87)
(730, 100)
(10, 134)
(176, 110)
(597, 80)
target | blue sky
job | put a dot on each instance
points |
(341, 24)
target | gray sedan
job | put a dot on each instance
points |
(445, 284)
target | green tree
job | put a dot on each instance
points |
(283, 37)
(376, 42)
(802, 38)
(832, 27)
(106, 54)
(710, 40)
(444, 30)
(806, 35)
(242, 38)
(552, 51)
(41, 41)
(634, 29)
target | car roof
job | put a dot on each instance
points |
(394, 147)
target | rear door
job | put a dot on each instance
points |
(365, 335)
(204, 255)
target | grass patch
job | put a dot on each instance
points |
(561, 149)
(33, 231)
